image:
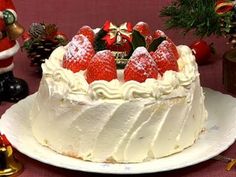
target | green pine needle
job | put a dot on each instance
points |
(197, 15)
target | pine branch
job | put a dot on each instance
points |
(197, 15)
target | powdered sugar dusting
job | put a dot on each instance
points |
(142, 65)
(142, 57)
(78, 48)
(104, 54)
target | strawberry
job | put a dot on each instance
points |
(202, 51)
(79, 53)
(140, 66)
(102, 67)
(159, 33)
(88, 32)
(171, 47)
(143, 28)
(165, 59)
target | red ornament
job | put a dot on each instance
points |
(223, 6)
(202, 51)
(26, 36)
(4, 141)
(115, 32)
(118, 38)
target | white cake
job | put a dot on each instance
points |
(117, 121)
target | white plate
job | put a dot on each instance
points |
(219, 135)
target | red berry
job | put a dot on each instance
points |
(148, 40)
(171, 47)
(159, 33)
(143, 28)
(60, 36)
(26, 36)
(140, 66)
(102, 67)
(79, 53)
(165, 59)
(202, 51)
(4, 141)
(88, 32)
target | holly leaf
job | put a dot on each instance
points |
(138, 40)
(155, 43)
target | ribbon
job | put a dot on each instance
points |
(125, 30)
(223, 7)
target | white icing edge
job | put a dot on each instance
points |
(6, 69)
(9, 52)
(74, 86)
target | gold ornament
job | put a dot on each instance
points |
(14, 30)
(9, 166)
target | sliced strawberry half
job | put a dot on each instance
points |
(102, 67)
(140, 66)
(79, 53)
(88, 32)
(165, 59)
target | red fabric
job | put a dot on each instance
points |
(5, 4)
(6, 62)
(6, 43)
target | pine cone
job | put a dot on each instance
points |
(37, 30)
(40, 51)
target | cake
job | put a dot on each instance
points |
(89, 107)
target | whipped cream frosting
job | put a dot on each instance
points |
(118, 121)
(75, 87)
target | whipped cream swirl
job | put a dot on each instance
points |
(74, 85)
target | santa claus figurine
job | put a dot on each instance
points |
(12, 89)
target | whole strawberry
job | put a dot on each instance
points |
(165, 58)
(102, 67)
(171, 47)
(79, 53)
(140, 66)
(88, 32)
(143, 28)
(159, 33)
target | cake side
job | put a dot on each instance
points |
(118, 121)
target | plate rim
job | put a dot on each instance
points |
(107, 168)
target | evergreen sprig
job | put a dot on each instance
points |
(196, 15)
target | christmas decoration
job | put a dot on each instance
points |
(123, 40)
(40, 40)
(202, 51)
(9, 165)
(205, 17)
(12, 89)
(118, 39)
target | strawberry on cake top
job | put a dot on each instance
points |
(143, 63)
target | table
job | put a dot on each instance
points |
(211, 76)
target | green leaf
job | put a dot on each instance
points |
(138, 40)
(155, 43)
